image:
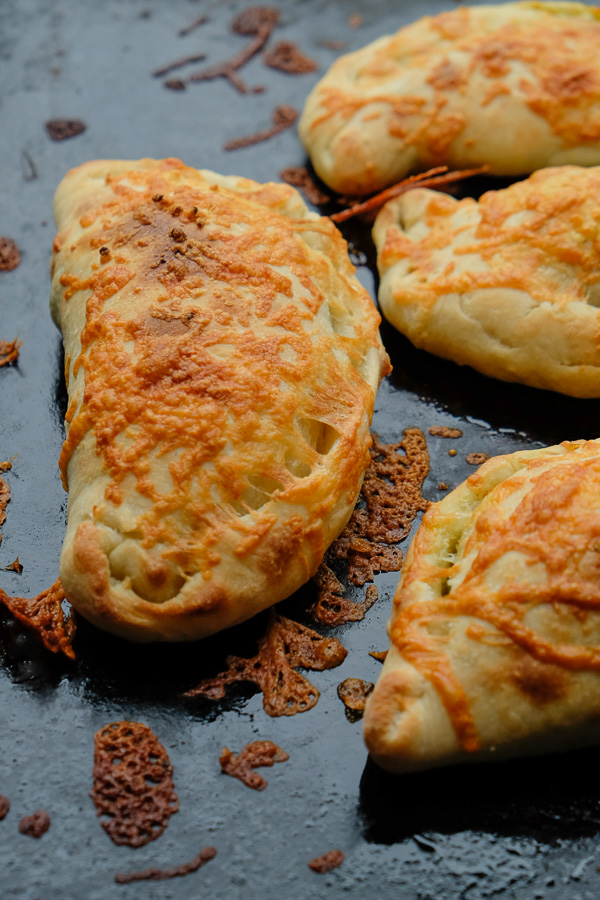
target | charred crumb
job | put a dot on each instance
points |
(392, 497)
(201, 20)
(203, 857)
(175, 84)
(285, 646)
(35, 825)
(253, 756)
(133, 784)
(283, 117)
(300, 177)
(257, 21)
(4, 807)
(476, 459)
(63, 129)
(330, 860)
(179, 64)
(45, 616)
(287, 57)
(444, 432)
(10, 255)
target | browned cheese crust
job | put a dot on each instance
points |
(514, 86)
(495, 630)
(509, 284)
(222, 361)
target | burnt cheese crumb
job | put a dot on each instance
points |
(154, 874)
(35, 825)
(330, 860)
(353, 693)
(444, 431)
(476, 459)
(286, 57)
(63, 129)
(10, 255)
(253, 756)
(390, 499)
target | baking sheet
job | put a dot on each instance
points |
(518, 830)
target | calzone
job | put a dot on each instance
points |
(514, 86)
(221, 360)
(509, 284)
(495, 629)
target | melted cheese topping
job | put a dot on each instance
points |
(518, 560)
(540, 236)
(513, 85)
(221, 362)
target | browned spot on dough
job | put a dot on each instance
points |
(541, 683)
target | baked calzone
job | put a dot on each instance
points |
(509, 284)
(221, 361)
(495, 630)
(514, 86)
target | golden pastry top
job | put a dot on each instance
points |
(221, 361)
(515, 85)
(512, 557)
(540, 236)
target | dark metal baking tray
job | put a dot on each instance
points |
(523, 830)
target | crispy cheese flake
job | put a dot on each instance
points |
(284, 646)
(392, 498)
(253, 756)
(133, 784)
(9, 352)
(45, 616)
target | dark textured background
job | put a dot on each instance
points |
(523, 830)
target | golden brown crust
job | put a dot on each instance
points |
(509, 284)
(221, 361)
(514, 86)
(495, 632)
